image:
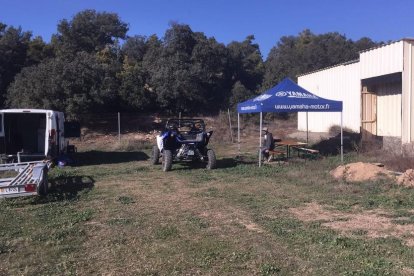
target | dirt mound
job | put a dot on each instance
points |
(357, 172)
(407, 178)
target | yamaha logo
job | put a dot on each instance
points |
(295, 94)
(262, 97)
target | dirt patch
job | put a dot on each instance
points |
(313, 211)
(375, 224)
(357, 172)
(407, 178)
(407, 271)
(231, 216)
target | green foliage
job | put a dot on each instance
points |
(73, 86)
(269, 269)
(85, 69)
(14, 44)
(166, 232)
(88, 31)
(240, 93)
(126, 199)
(247, 64)
(294, 55)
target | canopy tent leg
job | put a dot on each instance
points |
(342, 140)
(260, 141)
(307, 129)
(238, 132)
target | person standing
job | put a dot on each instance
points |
(268, 143)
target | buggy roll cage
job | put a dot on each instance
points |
(197, 124)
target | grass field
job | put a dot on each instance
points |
(115, 214)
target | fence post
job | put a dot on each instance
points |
(231, 129)
(119, 127)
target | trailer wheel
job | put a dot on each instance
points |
(155, 156)
(211, 162)
(166, 160)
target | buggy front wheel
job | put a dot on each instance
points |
(211, 160)
(166, 160)
(155, 156)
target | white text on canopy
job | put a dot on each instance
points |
(294, 94)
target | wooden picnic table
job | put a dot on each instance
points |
(289, 144)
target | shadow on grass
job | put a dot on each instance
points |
(221, 164)
(226, 163)
(332, 146)
(107, 157)
(66, 188)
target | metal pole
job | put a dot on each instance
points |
(238, 131)
(231, 128)
(260, 141)
(307, 129)
(410, 91)
(342, 140)
(119, 127)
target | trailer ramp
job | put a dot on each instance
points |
(31, 179)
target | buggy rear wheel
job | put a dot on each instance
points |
(166, 160)
(211, 162)
(155, 156)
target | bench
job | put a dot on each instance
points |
(276, 153)
(312, 153)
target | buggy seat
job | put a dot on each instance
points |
(192, 137)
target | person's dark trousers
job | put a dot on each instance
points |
(265, 153)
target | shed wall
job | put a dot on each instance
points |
(407, 135)
(382, 61)
(389, 109)
(338, 83)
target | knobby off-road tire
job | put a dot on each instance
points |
(166, 160)
(155, 156)
(211, 162)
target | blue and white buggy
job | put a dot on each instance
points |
(183, 140)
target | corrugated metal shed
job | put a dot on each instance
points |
(387, 73)
(407, 133)
(382, 61)
(389, 110)
(337, 83)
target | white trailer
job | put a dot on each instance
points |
(29, 140)
(31, 179)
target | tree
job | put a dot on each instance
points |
(294, 55)
(88, 31)
(210, 64)
(81, 85)
(38, 51)
(365, 43)
(14, 44)
(240, 93)
(134, 48)
(187, 71)
(247, 63)
(174, 83)
(134, 90)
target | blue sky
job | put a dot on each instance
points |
(230, 20)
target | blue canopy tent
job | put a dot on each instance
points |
(287, 96)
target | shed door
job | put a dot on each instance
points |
(369, 114)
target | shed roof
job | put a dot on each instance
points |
(357, 60)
